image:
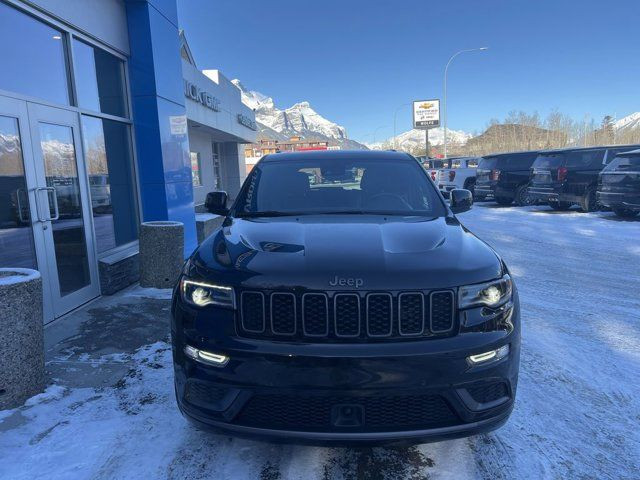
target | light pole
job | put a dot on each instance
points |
(376, 131)
(445, 89)
(395, 114)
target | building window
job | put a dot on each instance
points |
(109, 162)
(99, 76)
(33, 57)
(196, 172)
(217, 174)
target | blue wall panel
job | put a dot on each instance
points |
(175, 147)
(168, 8)
(155, 72)
(149, 149)
(166, 57)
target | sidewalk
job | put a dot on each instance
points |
(105, 332)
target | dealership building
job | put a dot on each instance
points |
(105, 122)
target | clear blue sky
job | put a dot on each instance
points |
(356, 61)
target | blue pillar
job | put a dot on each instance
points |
(162, 146)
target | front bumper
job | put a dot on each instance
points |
(385, 393)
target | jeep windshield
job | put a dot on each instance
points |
(394, 186)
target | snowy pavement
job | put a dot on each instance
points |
(577, 413)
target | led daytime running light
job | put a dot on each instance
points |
(205, 357)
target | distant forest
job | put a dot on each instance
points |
(523, 131)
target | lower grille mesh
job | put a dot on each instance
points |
(205, 394)
(488, 393)
(297, 412)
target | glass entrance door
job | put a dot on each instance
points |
(17, 242)
(63, 206)
(44, 203)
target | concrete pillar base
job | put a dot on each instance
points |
(161, 253)
(21, 336)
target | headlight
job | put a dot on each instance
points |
(201, 294)
(489, 294)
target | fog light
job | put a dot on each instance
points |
(490, 356)
(208, 358)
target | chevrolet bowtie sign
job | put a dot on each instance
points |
(426, 114)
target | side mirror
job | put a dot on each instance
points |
(216, 202)
(460, 200)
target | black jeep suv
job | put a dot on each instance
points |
(619, 186)
(505, 177)
(354, 308)
(569, 176)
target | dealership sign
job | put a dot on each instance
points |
(247, 122)
(426, 114)
(197, 94)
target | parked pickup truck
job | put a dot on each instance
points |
(619, 185)
(459, 172)
(432, 166)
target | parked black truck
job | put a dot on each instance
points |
(569, 176)
(348, 311)
(619, 186)
(505, 177)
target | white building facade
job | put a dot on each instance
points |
(218, 126)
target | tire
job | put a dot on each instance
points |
(522, 197)
(470, 184)
(589, 201)
(504, 200)
(624, 212)
(560, 206)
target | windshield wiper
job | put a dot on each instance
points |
(277, 213)
(269, 213)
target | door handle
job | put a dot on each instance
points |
(19, 191)
(55, 204)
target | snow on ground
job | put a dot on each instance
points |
(577, 413)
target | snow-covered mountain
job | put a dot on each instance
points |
(299, 119)
(627, 123)
(413, 139)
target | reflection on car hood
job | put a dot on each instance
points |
(386, 253)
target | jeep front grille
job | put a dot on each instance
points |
(346, 316)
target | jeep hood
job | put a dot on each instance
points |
(384, 252)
